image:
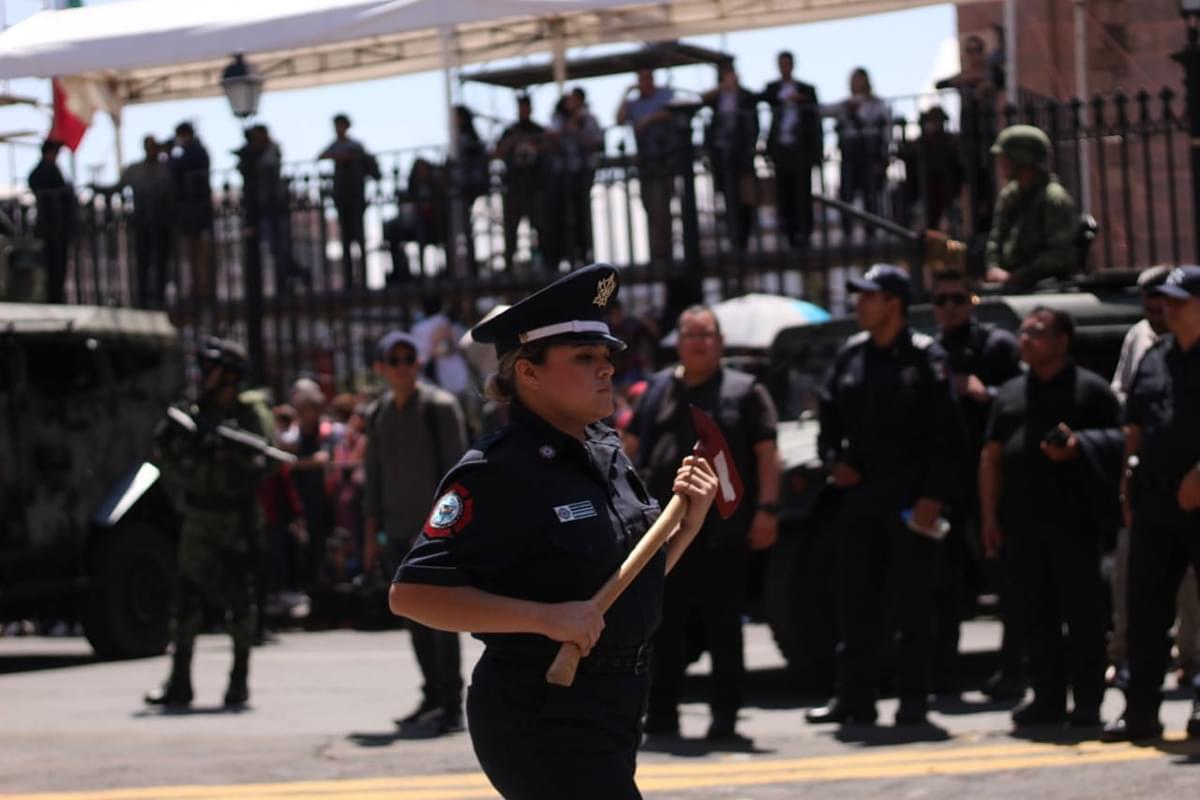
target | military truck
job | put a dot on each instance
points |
(87, 532)
(794, 587)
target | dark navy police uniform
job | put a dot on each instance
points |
(1164, 403)
(990, 354)
(536, 514)
(890, 414)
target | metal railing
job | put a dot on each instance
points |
(288, 282)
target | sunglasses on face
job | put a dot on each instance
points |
(406, 360)
(950, 298)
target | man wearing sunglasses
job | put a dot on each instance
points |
(982, 358)
(415, 433)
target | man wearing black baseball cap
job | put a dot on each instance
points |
(894, 443)
(1160, 493)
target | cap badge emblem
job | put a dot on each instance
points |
(604, 290)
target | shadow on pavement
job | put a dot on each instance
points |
(13, 663)
(383, 739)
(190, 711)
(882, 736)
(956, 705)
(698, 748)
(1055, 734)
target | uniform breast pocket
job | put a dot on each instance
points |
(590, 538)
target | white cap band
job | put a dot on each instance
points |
(575, 326)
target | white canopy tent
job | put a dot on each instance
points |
(151, 50)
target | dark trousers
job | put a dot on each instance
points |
(440, 659)
(793, 189)
(1057, 569)
(153, 244)
(877, 550)
(536, 741)
(1163, 542)
(656, 189)
(54, 250)
(739, 215)
(952, 599)
(523, 202)
(569, 219)
(709, 582)
(861, 178)
(350, 226)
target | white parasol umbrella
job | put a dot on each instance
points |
(752, 321)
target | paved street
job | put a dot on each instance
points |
(320, 727)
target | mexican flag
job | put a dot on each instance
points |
(74, 104)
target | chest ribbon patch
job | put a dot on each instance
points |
(451, 513)
(573, 512)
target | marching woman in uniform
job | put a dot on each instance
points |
(526, 527)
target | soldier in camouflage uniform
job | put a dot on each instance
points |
(217, 484)
(1033, 227)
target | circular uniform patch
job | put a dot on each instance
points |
(450, 514)
(448, 511)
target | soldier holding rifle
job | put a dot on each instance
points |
(215, 453)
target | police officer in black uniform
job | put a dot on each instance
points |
(892, 435)
(526, 528)
(1161, 493)
(981, 358)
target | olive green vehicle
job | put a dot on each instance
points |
(792, 586)
(87, 532)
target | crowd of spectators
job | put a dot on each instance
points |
(542, 173)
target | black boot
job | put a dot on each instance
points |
(1193, 723)
(238, 693)
(177, 691)
(1133, 726)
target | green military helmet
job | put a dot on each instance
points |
(1026, 145)
(224, 353)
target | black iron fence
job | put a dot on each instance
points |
(293, 280)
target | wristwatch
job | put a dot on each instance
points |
(770, 508)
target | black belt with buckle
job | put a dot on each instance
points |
(618, 661)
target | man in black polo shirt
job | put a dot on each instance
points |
(1036, 498)
(1161, 491)
(711, 576)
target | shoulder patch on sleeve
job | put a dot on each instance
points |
(451, 513)
(922, 341)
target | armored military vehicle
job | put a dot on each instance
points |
(794, 588)
(86, 530)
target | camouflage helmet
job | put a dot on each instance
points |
(1025, 145)
(223, 352)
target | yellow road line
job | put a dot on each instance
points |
(900, 763)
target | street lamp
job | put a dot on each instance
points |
(242, 86)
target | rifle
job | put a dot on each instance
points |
(229, 436)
